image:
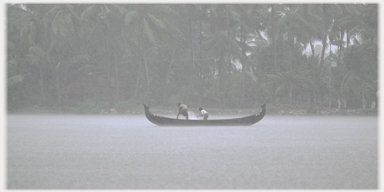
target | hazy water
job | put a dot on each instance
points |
(128, 152)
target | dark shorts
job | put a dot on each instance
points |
(184, 112)
(206, 116)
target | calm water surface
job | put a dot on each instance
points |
(128, 152)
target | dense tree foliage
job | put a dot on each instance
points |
(213, 55)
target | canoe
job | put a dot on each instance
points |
(242, 121)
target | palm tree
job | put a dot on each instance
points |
(249, 22)
(196, 15)
(223, 42)
(102, 28)
(30, 40)
(361, 22)
(63, 54)
(273, 10)
(311, 16)
(146, 23)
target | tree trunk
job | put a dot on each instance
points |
(140, 61)
(341, 47)
(109, 78)
(314, 96)
(274, 49)
(290, 54)
(201, 80)
(229, 49)
(167, 76)
(347, 47)
(312, 49)
(116, 81)
(329, 98)
(314, 73)
(274, 39)
(324, 40)
(191, 36)
(363, 103)
(41, 85)
(147, 76)
(144, 63)
(191, 81)
(243, 66)
(290, 94)
(58, 85)
(137, 81)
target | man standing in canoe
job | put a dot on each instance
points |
(203, 113)
(182, 110)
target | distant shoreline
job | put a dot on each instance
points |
(294, 110)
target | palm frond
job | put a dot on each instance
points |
(16, 79)
(130, 16)
(120, 8)
(87, 13)
(37, 51)
(56, 22)
(148, 31)
(48, 16)
(158, 23)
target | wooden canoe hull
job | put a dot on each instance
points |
(242, 121)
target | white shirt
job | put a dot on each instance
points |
(203, 112)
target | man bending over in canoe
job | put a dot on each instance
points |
(203, 113)
(182, 110)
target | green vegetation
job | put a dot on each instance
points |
(89, 57)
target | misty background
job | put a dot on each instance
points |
(72, 59)
(84, 58)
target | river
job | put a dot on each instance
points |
(129, 152)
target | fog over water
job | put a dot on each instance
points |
(129, 152)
